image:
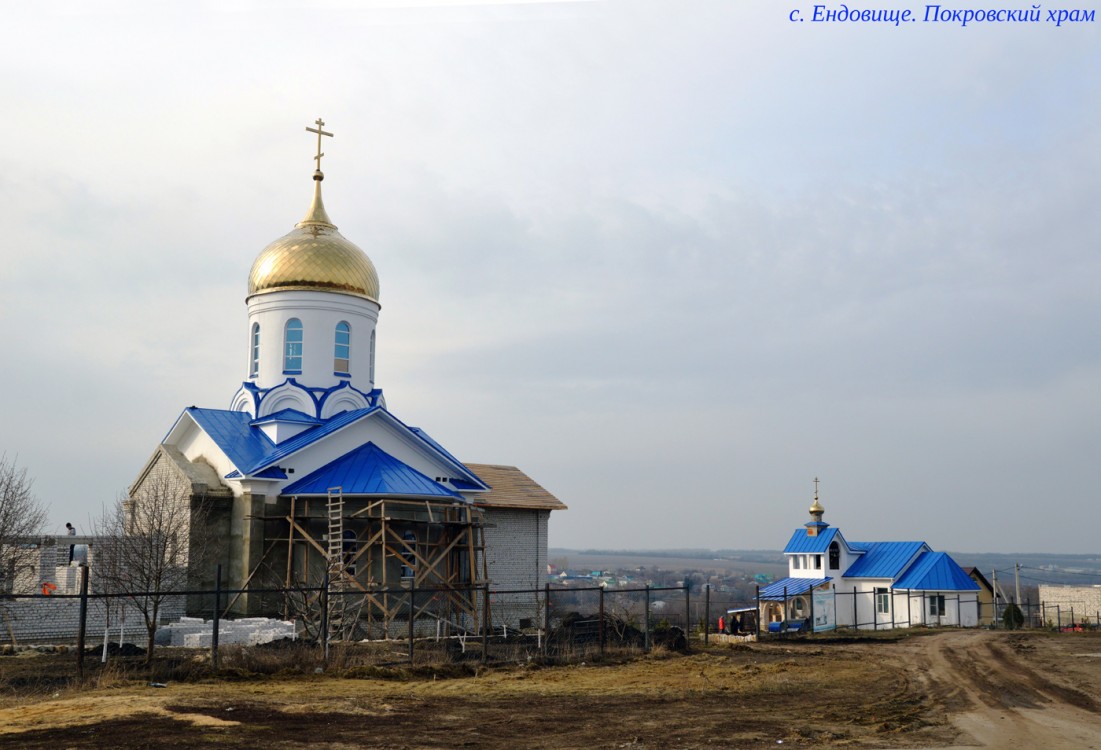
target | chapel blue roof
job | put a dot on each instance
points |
(801, 543)
(936, 571)
(882, 559)
(791, 586)
(369, 470)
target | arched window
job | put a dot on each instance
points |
(342, 353)
(292, 347)
(835, 555)
(371, 365)
(254, 359)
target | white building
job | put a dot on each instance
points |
(308, 472)
(834, 583)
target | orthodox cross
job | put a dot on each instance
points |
(815, 484)
(320, 124)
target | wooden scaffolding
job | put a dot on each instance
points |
(365, 566)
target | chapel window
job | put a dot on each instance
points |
(882, 601)
(292, 347)
(835, 555)
(343, 349)
(795, 562)
(254, 359)
(817, 562)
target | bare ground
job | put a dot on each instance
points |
(948, 689)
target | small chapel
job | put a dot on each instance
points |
(309, 478)
(836, 583)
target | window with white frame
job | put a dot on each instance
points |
(936, 605)
(371, 364)
(254, 359)
(292, 347)
(817, 562)
(795, 562)
(882, 601)
(343, 351)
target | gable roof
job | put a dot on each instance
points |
(369, 470)
(882, 559)
(936, 571)
(790, 587)
(254, 454)
(800, 542)
(512, 488)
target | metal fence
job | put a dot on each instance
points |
(423, 626)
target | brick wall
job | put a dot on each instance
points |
(516, 556)
(1060, 601)
(45, 620)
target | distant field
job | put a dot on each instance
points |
(631, 560)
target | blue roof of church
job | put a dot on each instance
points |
(249, 448)
(802, 543)
(791, 586)
(882, 559)
(936, 571)
(287, 415)
(368, 470)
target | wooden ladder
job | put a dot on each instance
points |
(335, 599)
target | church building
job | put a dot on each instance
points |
(834, 583)
(309, 477)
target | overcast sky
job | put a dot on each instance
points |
(673, 259)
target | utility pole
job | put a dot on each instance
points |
(1017, 576)
(994, 585)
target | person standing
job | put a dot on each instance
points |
(71, 531)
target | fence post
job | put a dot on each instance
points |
(412, 613)
(687, 617)
(601, 630)
(546, 618)
(646, 622)
(706, 612)
(324, 634)
(487, 625)
(83, 622)
(758, 617)
(217, 617)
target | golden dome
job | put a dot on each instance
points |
(314, 256)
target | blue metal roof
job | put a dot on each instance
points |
(287, 415)
(936, 571)
(791, 586)
(801, 543)
(244, 445)
(882, 559)
(369, 470)
(249, 448)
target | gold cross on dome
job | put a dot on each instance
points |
(320, 124)
(816, 488)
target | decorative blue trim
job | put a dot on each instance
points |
(342, 374)
(292, 372)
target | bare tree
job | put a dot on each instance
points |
(21, 516)
(150, 543)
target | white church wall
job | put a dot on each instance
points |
(319, 312)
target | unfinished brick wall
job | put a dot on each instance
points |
(1065, 604)
(516, 556)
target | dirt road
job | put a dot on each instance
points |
(1004, 690)
(949, 689)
